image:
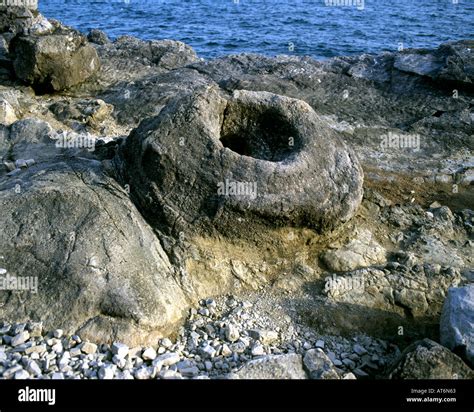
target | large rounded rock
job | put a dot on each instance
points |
(209, 161)
(427, 359)
(91, 263)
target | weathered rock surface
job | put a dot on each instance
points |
(258, 157)
(457, 322)
(99, 267)
(360, 252)
(272, 367)
(427, 359)
(419, 290)
(54, 61)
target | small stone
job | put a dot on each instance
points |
(88, 348)
(319, 344)
(19, 339)
(143, 373)
(258, 350)
(204, 312)
(360, 373)
(349, 363)
(226, 350)
(120, 362)
(207, 351)
(58, 333)
(33, 368)
(22, 374)
(267, 337)
(36, 329)
(211, 303)
(75, 352)
(57, 376)
(107, 371)
(119, 349)
(166, 343)
(232, 333)
(11, 371)
(149, 354)
(348, 375)
(167, 359)
(189, 372)
(359, 350)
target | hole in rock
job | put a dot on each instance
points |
(259, 132)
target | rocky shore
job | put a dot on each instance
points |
(246, 217)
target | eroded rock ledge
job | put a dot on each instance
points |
(120, 187)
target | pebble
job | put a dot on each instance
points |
(149, 354)
(232, 333)
(120, 349)
(166, 343)
(58, 333)
(167, 359)
(20, 338)
(88, 348)
(107, 371)
(319, 344)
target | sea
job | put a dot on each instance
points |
(317, 28)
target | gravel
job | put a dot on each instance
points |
(218, 338)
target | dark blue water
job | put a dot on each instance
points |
(302, 27)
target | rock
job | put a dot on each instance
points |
(98, 37)
(113, 242)
(149, 354)
(107, 371)
(272, 367)
(7, 113)
(19, 339)
(319, 366)
(142, 373)
(207, 351)
(88, 348)
(120, 349)
(33, 368)
(360, 252)
(281, 129)
(359, 350)
(395, 291)
(166, 343)
(319, 344)
(22, 374)
(58, 333)
(258, 350)
(18, 19)
(266, 337)
(457, 322)
(167, 359)
(450, 62)
(426, 359)
(232, 333)
(54, 61)
(226, 350)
